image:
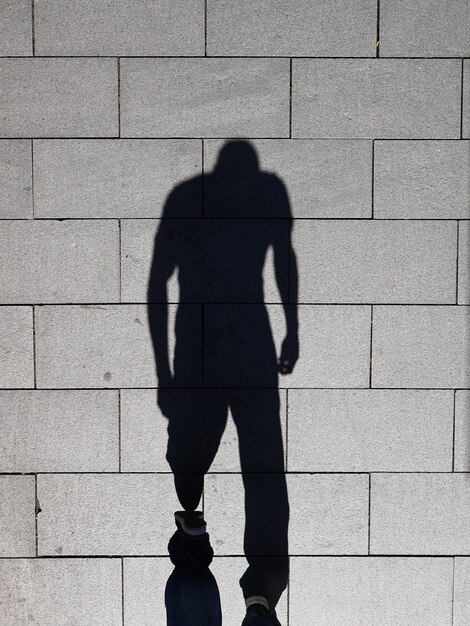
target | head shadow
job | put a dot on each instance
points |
(215, 234)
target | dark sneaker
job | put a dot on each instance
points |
(191, 522)
(259, 615)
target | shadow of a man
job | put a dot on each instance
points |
(215, 232)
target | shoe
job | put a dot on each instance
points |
(258, 615)
(191, 522)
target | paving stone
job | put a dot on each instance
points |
(376, 261)
(370, 430)
(420, 513)
(61, 591)
(110, 178)
(59, 97)
(421, 179)
(334, 346)
(50, 257)
(105, 514)
(357, 591)
(462, 431)
(424, 28)
(228, 571)
(466, 100)
(100, 346)
(144, 590)
(17, 517)
(204, 97)
(16, 28)
(144, 433)
(464, 263)
(16, 347)
(279, 29)
(137, 245)
(15, 179)
(337, 524)
(119, 28)
(59, 431)
(384, 98)
(406, 340)
(461, 614)
(323, 178)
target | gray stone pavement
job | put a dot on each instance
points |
(363, 110)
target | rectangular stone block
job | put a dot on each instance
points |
(103, 346)
(334, 346)
(17, 517)
(144, 434)
(358, 591)
(105, 514)
(462, 431)
(383, 98)
(44, 261)
(204, 97)
(370, 430)
(16, 28)
(58, 591)
(421, 346)
(228, 571)
(59, 431)
(312, 29)
(337, 524)
(323, 178)
(420, 514)
(59, 97)
(421, 179)
(15, 179)
(16, 347)
(424, 28)
(120, 28)
(144, 590)
(463, 289)
(466, 100)
(110, 178)
(376, 261)
(137, 245)
(461, 614)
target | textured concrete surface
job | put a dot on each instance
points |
(362, 110)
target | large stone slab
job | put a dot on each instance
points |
(361, 261)
(424, 28)
(15, 179)
(16, 347)
(17, 517)
(105, 514)
(45, 261)
(420, 513)
(336, 524)
(278, 29)
(422, 179)
(359, 591)
(383, 98)
(59, 97)
(61, 591)
(204, 97)
(110, 178)
(421, 346)
(370, 430)
(120, 28)
(59, 431)
(323, 178)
